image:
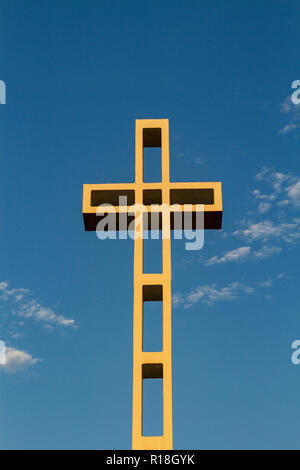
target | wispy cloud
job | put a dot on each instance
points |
(279, 229)
(283, 276)
(263, 207)
(23, 304)
(278, 181)
(233, 255)
(284, 190)
(245, 252)
(17, 359)
(266, 283)
(292, 113)
(266, 251)
(38, 312)
(210, 294)
(264, 230)
(288, 232)
(18, 307)
(265, 197)
(288, 127)
(262, 237)
(177, 299)
(12, 294)
(293, 192)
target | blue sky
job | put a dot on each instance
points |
(78, 74)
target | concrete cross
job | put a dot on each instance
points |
(151, 287)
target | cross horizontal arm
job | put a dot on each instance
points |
(119, 198)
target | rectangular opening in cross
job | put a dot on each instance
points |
(192, 196)
(152, 292)
(152, 170)
(114, 197)
(152, 196)
(152, 326)
(152, 399)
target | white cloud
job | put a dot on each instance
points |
(244, 252)
(266, 251)
(287, 231)
(264, 197)
(294, 193)
(283, 276)
(288, 128)
(262, 173)
(177, 299)
(263, 207)
(286, 105)
(259, 230)
(233, 255)
(266, 283)
(16, 335)
(35, 310)
(210, 294)
(285, 191)
(283, 203)
(276, 178)
(25, 306)
(282, 184)
(13, 294)
(292, 111)
(17, 359)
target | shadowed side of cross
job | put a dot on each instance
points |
(162, 204)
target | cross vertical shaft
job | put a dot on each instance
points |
(152, 287)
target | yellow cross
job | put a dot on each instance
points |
(152, 287)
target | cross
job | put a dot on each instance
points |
(155, 286)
